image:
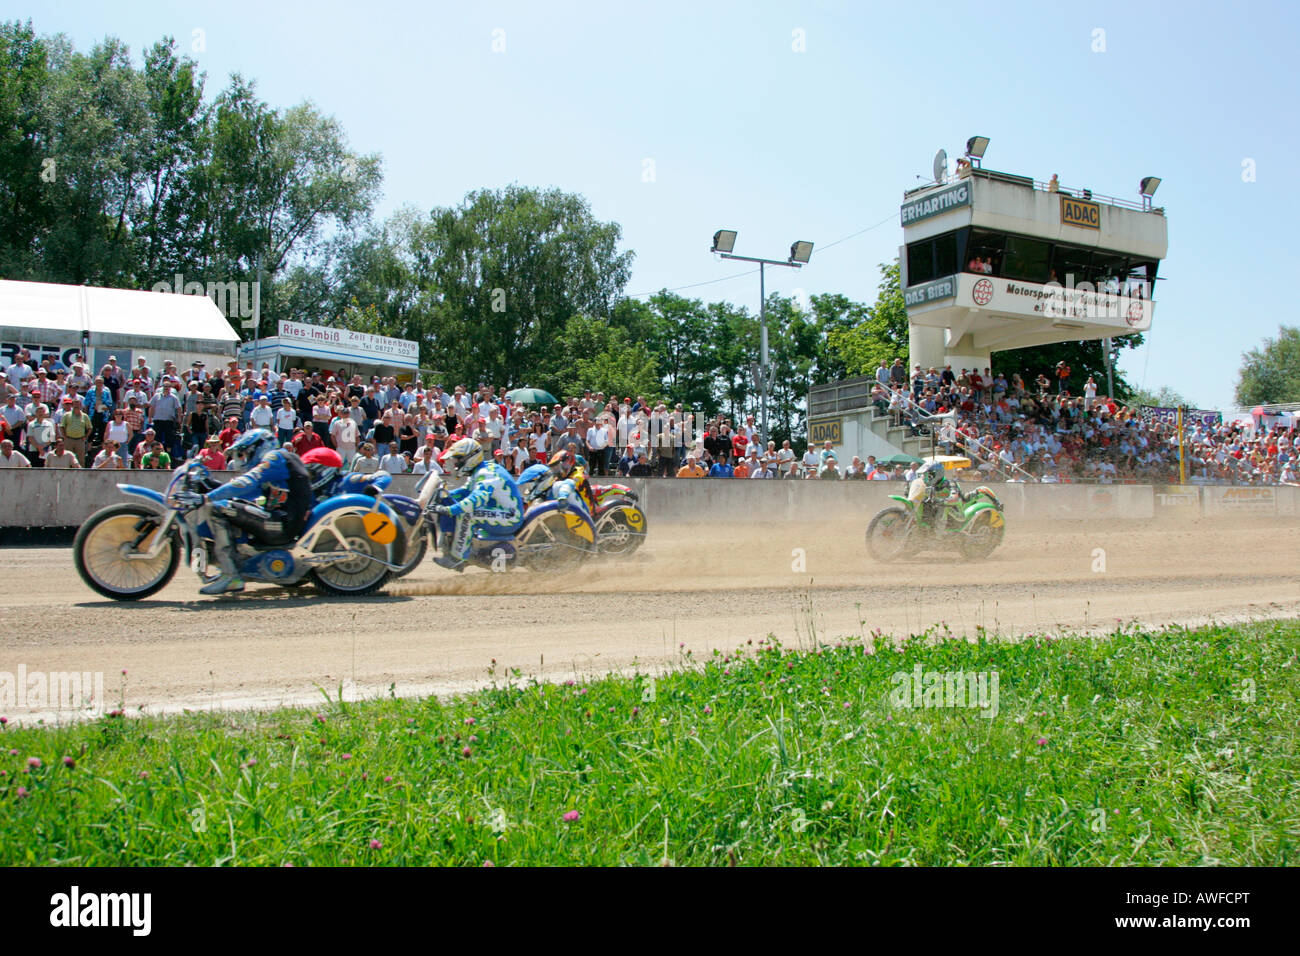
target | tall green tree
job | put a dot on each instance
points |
(604, 359)
(1270, 374)
(858, 337)
(25, 208)
(506, 270)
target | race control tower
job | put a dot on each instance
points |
(994, 261)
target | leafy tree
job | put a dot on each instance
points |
(1270, 374)
(1083, 358)
(25, 211)
(1163, 397)
(605, 360)
(858, 337)
(505, 271)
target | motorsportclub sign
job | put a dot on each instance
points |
(933, 205)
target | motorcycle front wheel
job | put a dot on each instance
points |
(547, 544)
(101, 552)
(982, 538)
(891, 534)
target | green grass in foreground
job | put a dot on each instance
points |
(1169, 747)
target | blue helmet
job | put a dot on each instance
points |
(535, 481)
(250, 448)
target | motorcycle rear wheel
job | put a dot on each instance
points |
(891, 535)
(98, 553)
(616, 535)
(357, 575)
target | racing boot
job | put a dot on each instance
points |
(455, 549)
(228, 581)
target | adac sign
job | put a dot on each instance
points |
(828, 430)
(1078, 212)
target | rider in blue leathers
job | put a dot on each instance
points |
(539, 483)
(489, 499)
(270, 472)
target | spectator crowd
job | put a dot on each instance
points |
(117, 418)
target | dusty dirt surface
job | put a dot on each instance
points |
(699, 586)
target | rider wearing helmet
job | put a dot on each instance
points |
(538, 483)
(566, 465)
(324, 467)
(487, 498)
(931, 484)
(270, 472)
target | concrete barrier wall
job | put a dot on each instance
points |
(40, 498)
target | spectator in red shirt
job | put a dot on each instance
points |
(230, 432)
(739, 443)
(306, 439)
(212, 456)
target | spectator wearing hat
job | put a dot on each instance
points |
(305, 439)
(721, 468)
(212, 455)
(41, 432)
(165, 415)
(692, 468)
(74, 427)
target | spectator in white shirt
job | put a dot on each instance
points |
(393, 463)
(427, 463)
(10, 458)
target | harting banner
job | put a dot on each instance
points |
(932, 205)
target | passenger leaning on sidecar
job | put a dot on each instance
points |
(270, 472)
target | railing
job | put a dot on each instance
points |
(1086, 195)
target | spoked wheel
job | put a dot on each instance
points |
(357, 574)
(548, 544)
(983, 537)
(103, 547)
(621, 531)
(891, 535)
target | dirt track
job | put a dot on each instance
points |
(699, 585)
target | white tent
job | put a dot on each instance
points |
(45, 317)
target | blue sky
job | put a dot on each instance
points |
(746, 132)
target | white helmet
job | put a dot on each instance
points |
(463, 458)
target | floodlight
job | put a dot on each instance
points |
(801, 251)
(724, 240)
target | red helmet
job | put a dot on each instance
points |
(323, 465)
(327, 457)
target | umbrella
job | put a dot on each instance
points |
(531, 396)
(899, 460)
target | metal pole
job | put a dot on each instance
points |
(257, 314)
(1110, 381)
(1182, 460)
(762, 360)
